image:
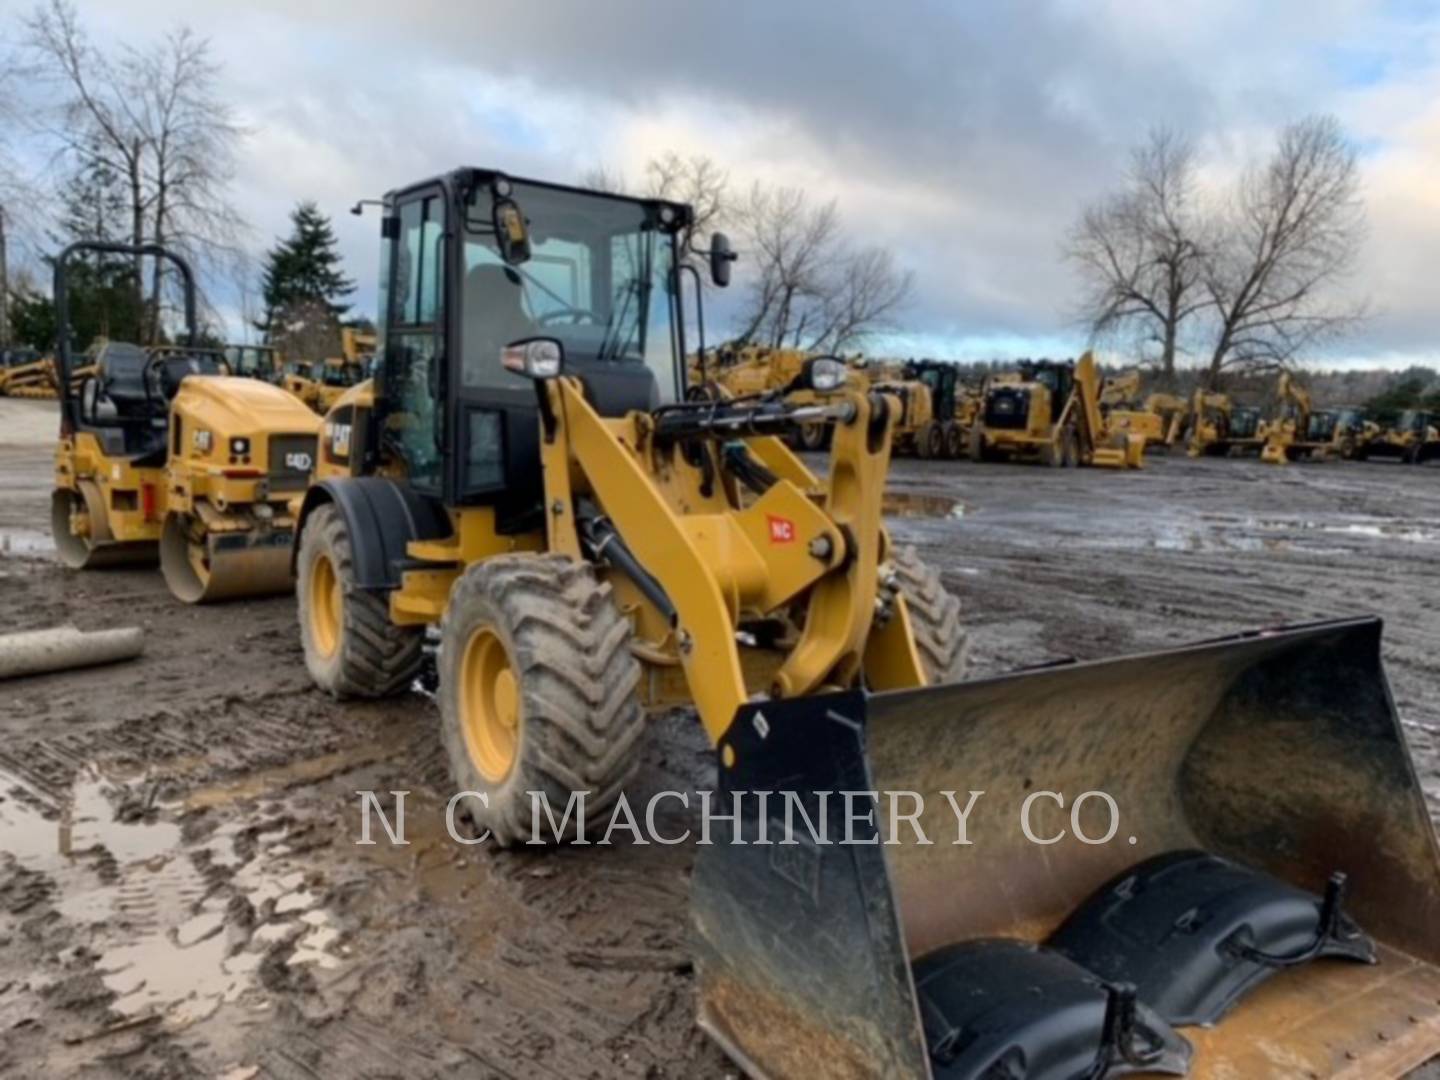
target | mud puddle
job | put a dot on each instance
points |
(914, 504)
(174, 929)
(24, 542)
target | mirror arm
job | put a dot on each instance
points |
(699, 314)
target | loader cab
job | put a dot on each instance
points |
(942, 381)
(475, 260)
(1058, 379)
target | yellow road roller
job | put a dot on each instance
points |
(163, 457)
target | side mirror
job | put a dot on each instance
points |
(721, 256)
(511, 234)
(535, 358)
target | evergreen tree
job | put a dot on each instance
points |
(305, 267)
(104, 292)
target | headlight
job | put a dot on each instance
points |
(826, 374)
(538, 358)
(239, 447)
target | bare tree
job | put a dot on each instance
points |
(1141, 251)
(808, 288)
(153, 117)
(1295, 231)
(697, 181)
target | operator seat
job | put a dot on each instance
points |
(493, 317)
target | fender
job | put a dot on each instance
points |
(382, 516)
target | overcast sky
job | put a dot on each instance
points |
(965, 136)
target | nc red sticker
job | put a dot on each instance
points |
(782, 530)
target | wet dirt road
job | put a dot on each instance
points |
(181, 893)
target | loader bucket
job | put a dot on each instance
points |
(1265, 770)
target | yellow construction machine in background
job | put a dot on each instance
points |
(1414, 438)
(1218, 427)
(1158, 419)
(1050, 411)
(1288, 434)
(321, 383)
(162, 456)
(26, 374)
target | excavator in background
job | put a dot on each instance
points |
(1414, 439)
(161, 456)
(1288, 435)
(1050, 411)
(530, 478)
(1218, 427)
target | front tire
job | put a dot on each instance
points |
(352, 649)
(940, 638)
(538, 692)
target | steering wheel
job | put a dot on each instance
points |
(574, 314)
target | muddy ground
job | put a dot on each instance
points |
(180, 889)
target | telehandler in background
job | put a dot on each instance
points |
(1414, 438)
(162, 456)
(529, 473)
(1050, 412)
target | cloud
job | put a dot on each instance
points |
(963, 137)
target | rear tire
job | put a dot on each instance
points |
(537, 692)
(352, 649)
(940, 638)
(929, 440)
(954, 441)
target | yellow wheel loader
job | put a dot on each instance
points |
(1216, 857)
(163, 457)
(1414, 439)
(1050, 412)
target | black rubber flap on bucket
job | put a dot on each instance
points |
(1193, 932)
(1001, 1009)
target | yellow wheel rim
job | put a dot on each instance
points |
(325, 604)
(489, 705)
